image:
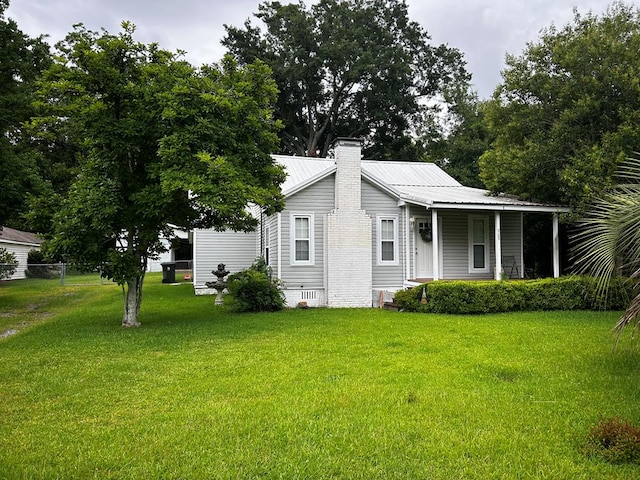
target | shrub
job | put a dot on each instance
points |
(37, 266)
(617, 297)
(8, 264)
(253, 290)
(614, 441)
(475, 297)
(410, 299)
(567, 293)
(464, 297)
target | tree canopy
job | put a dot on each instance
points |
(568, 110)
(463, 139)
(358, 68)
(23, 58)
(164, 145)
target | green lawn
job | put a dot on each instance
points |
(199, 392)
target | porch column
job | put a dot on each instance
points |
(435, 243)
(408, 228)
(556, 247)
(498, 248)
(522, 245)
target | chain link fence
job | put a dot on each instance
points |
(74, 275)
(66, 274)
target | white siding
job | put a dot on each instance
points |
(376, 202)
(237, 250)
(319, 200)
(455, 245)
(21, 252)
(455, 248)
(511, 239)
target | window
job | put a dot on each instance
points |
(302, 247)
(387, 240)
(478, 244)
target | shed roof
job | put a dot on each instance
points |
(11, 235)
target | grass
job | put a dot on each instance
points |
(199, 392)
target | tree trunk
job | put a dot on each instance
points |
(132, 294)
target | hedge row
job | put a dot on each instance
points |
(566, 293)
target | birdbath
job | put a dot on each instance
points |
(219, 284)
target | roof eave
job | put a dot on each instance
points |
(501, 207)
(17, 242)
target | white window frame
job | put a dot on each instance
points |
(267, 245)
(312, 247)
(487, 266)
(396, 241)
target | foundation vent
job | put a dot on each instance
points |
(309, 294)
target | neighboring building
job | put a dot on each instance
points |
(355, 231)
(19, 243)
(181, 253)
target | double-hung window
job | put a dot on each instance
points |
(387, 236)
(478, 244)
(302, 245)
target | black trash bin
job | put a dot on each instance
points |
(168, 272)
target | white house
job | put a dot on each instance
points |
(354, 231)
(180, 253)
(19, 243)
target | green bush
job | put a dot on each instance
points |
(8, 263)
(464, 297)
(475, 297)
(38, 267)
(614, 441)
(253, 290)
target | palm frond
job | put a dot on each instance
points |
(607, 240)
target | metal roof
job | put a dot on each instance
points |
(303, 171)
(416, 174)
(453, 197)
(421, 183)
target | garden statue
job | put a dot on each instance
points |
(219, 284)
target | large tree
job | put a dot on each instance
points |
(349, 68)
(165, 145)
(22, 60)
(568, 110)
(462, 139)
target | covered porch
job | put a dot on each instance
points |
(471, 242)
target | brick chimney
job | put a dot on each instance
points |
(349, 277)
(348, 184)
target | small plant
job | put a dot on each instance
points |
(8, 264)
(254, 290)
(614, 441)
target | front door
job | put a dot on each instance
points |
(423, 248)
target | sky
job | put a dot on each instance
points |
(484, 30)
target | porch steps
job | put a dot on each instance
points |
(392, 306)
